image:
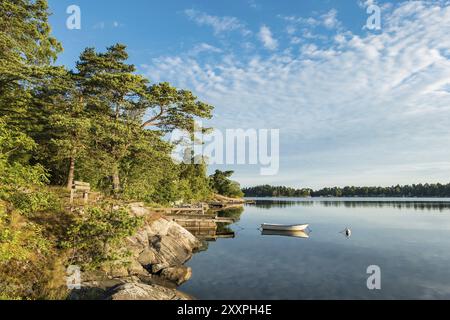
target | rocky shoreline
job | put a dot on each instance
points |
(158, 253)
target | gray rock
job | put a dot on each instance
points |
(158, 252)
(138, 209)
(137, 269)
(178, 275)
(162, 244)
(140, 291)
(147, 257)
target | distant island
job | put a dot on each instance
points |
(416, 190)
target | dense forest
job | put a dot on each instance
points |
(101, 123)
(415, 190)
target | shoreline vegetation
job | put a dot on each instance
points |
(406, 191)
(103, 125)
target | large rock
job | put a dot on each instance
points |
(139, 209)
(147, 257)
(162, 244)
(178, 275)
(158, 252)
(140, 291)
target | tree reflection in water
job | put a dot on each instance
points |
(352, 203)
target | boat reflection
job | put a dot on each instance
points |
(212, 234)
(295, 234)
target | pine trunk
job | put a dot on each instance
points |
(116, 181)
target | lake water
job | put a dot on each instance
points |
(408, 239)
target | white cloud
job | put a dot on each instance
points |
(265, 35)
(363, 109)
(253, 4)
(219, 24)
(291, 30)
(366, 3)
(310, 21)
(330, 20)
(204, 47)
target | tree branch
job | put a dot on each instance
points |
(152, 120)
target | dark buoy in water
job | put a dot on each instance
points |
(347, 232)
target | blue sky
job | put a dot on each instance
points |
(354, 106)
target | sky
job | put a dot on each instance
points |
(354, 106)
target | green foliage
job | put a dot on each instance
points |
(194, 182)
(91, 125)
(275, 191)
(19, 244)
(174, 109)
(25, 33)
(23, 245)
(415, 190)
(221, 184)
(26, 48)
(95, 238)
(101, 123)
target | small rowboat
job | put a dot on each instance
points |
(281, 227)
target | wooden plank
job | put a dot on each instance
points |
(85, 197)
(82, 188)
(200, 224)
(225, 220)
(72, 193)
(178, 209)
(192, 216)
(81, 183)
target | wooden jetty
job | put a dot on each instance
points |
(197, 220)
(177, 211)
(203, 221)
(211, 234)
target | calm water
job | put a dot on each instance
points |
(408, 239)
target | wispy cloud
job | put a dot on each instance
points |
(310, 21)
(360, 108)
(265, 35)
(365, 3)
(330, 20)
(253, 4)
(204, 47)
(219, 24)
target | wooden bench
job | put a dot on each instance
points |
(79, 186)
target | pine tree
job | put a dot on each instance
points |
(114, 93)
(26, 49)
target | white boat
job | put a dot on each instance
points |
(281, 227)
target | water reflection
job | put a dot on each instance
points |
(411, 248)
(269, 204)
(421, 205)
(213, 231)
(295, 234)
(233, 213)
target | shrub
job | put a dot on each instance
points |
(95, 238)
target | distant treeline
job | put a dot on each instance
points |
(415, 190)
